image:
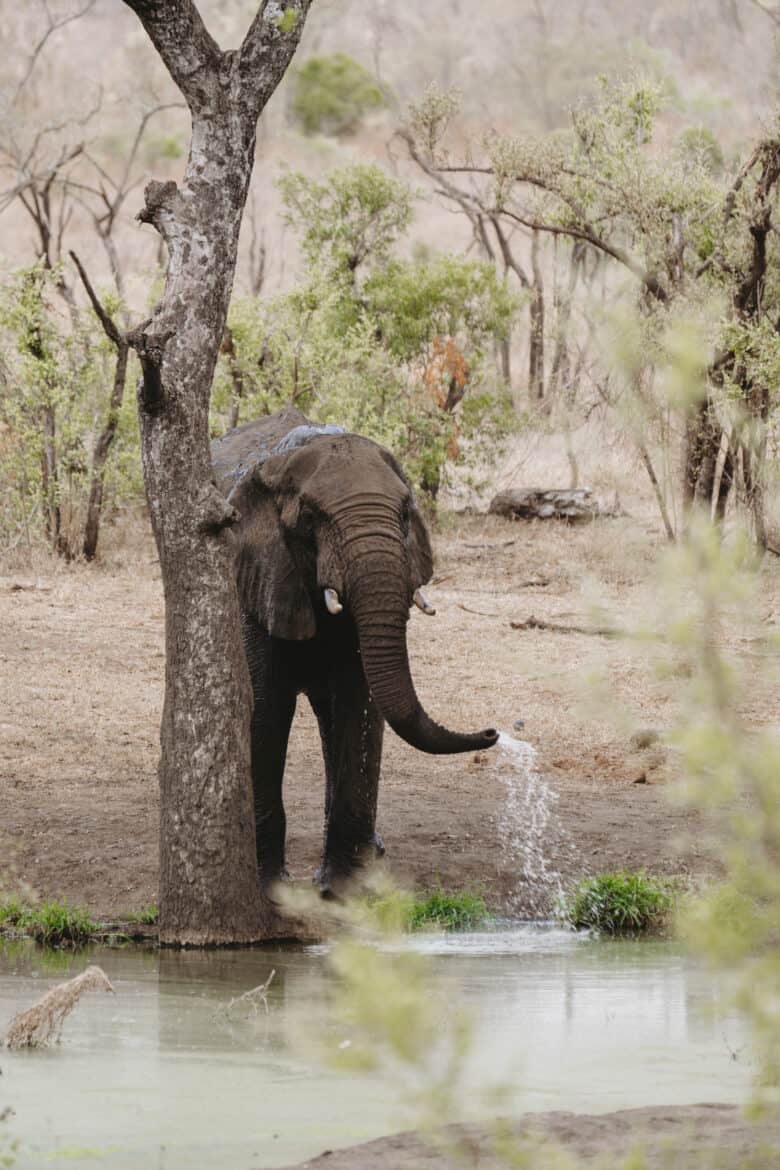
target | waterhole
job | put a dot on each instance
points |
(157, 1076)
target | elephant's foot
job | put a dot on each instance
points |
(336, 874)
(269, 880)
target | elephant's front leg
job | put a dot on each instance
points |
(351, 728)
(272, 714)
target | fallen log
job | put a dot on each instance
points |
(572, 504)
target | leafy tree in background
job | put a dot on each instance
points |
(402, 350)
(332, 94)
(694, 242)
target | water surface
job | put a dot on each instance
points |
(157, 1077)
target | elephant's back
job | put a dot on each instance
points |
(246, 446)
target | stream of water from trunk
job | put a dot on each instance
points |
(529, 829)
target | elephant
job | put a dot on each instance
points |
(331, 552)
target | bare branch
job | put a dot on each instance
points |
(105, 319)
(772, 12)
(53, 26)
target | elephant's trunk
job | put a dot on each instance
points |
(378, 598)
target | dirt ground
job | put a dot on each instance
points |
(81, 676)
(670, 1138)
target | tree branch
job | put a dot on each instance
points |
(109, 328)
(53, 26)
(268, 46)
(186, 47)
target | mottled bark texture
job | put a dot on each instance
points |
(208, 876)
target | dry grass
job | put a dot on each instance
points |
(42, 1023)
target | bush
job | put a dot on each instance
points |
(332, 94)
(619, 903)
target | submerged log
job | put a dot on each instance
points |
(572, 504)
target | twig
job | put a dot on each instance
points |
(534, 623)
(254, 997)
(498, 544)
(480, 612)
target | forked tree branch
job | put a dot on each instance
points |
(200, 68)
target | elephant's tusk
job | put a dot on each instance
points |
(422, 602)
(332, 602)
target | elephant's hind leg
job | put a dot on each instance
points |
(272, 715)
(351, 728)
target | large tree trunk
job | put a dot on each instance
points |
(208, 876)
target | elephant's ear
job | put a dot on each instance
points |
(418, 543)
(270, 587)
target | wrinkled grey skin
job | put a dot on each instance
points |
(322, 509)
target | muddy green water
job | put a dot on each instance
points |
(153, 1078)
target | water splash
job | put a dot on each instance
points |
(528, 826)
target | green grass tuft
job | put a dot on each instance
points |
(459, 910)
(147, 916)
(54, 924)
(620, 903)
(392, 910)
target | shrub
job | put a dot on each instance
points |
(331, 95)
(619, 903)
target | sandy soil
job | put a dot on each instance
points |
(672, 1137)
(81, 673)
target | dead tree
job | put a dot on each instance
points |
(208, 876)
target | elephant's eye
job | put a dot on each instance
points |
(306, 518)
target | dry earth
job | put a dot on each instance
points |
(670, 1138)
(81, 673)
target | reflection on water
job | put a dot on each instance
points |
(153, 1077)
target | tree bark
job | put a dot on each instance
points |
(209, 891)
(536, 311)
(100, 455)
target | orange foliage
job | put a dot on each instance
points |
(445, 370)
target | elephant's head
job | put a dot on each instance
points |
(331, 525)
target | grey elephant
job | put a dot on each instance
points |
(331, 552)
